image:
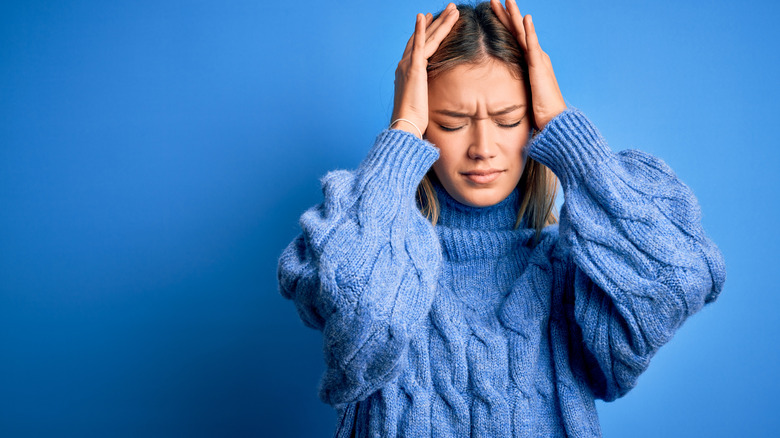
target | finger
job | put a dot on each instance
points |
(441, 32)
(408, 48)
(439, 20)
(503, 17)
(418, 48)
(534, 50)
(517, 23)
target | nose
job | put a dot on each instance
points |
(482, 145)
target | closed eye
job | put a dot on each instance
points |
(512, 125)
(503, 125)
(448, 129)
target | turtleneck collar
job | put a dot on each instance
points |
(454, 214)
(468, 232)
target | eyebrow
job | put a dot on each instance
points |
(500, 112)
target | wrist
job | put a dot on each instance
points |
(570, 146)
(408, 126)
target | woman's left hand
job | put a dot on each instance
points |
(545, 93)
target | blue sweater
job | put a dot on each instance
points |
(463, 328)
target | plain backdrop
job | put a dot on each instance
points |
(155, 157)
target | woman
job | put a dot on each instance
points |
(452, 302)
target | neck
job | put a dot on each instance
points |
(468, 233)
(455, 214)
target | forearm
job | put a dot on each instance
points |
(639, 261)
(364, 268)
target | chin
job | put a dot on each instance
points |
(478, 198)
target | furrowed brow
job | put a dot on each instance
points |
(500, 112)
(507, 110)
(453, 113)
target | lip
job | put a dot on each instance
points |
(483, 176)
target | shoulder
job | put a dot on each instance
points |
(549, 233)
(552, 247)
(546, 247)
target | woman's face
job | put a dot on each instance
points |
(477, 119)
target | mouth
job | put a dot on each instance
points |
(483, 176)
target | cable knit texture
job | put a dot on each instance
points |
(463, 328)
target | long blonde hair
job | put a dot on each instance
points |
(475, 37)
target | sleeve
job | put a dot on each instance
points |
(364, 268)
(635, 260)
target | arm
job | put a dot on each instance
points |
(364, 268)
(631, 255)
(634, 258)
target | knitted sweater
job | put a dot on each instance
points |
(467, 329)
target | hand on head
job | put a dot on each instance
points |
(411, 77)
(545, 93)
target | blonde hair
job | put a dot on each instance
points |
(477, 36)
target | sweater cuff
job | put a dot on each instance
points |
(570, 145)
(396, 164)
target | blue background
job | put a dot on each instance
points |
(155, 158)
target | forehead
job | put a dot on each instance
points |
(483, 87)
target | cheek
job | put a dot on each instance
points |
(448, 147)
(446, 162)
(518, 139)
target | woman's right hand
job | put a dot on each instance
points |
(411, 76)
